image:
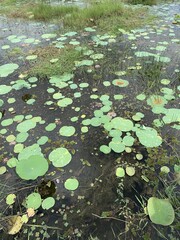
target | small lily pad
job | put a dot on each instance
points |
(120, 172)
(71, 184)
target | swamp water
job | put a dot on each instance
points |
(109, 131)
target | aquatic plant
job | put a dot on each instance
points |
(160, 211)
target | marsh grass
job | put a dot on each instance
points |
(46, 12)
(144, 2)
(66, 58)
(106, 15)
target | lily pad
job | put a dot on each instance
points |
(71, 184)
(160, 211)
(48, 203)
(148, 137)
(7, 69)
(60, 157)
(33, 201)
(32, 167)
(67, 131)
(120, 172)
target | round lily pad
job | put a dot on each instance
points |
(60, 157)
(64, 102)
(67, 131)
(48, 203)
(105, 149)
(160, 211)
(120, 82)
(148, 137)
(120, 172)
(33, 201)
(71, 184)
(32, 167)
(7, 69)
(130, 171)
(10, 199)
(122, 124)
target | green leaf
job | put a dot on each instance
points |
(33, 201)
(71, 184)
(160, 211)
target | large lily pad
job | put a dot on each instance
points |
(160, 211)
(60, 157)
(122, 124)
(7, 69)
(32, 167)
(148, 137)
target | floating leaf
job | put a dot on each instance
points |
(33, 201)
(71, 184)
(67, 131)
(130, 171)
(105, 149)
(120, 172)
(122, 124)
(148, 137)
(7, 69)
(60, 157)
(160, 211)
(10, 199)
(2, 170)
(32, 167)
(120, 82)
(48, 203)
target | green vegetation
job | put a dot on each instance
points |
(106, 15)
(46, 12)
(144, 2)
(65, 61)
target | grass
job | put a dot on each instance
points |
(144, 2)
(106, 15)
(46, 12)
(66, 58)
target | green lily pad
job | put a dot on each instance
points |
(26, 125)
(160, 211)
(148, 137)
(48, 203)
(4, 89)
(130, 171)
(71, 184)
(32, 167)
(64, 102)
(67, 131)
(105, 149)
(116, 145)
(120, 172)
(60, 157)
(2, 170)
(124, 125)
(10, 199)
(7, 69)
(156, 100)
(33, 201)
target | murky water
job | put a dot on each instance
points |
(77, 215)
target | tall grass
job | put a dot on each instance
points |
(46, 12)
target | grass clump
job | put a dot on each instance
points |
(107, 15)
(47, 12)
(66, 59)
(144, 2)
